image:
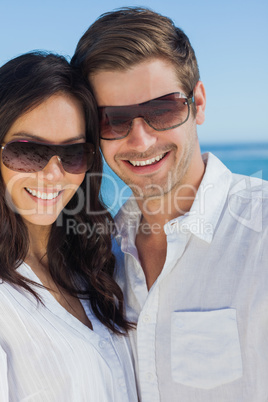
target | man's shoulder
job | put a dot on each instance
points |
(247, 203)
(249, 187)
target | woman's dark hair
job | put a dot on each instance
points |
(81, 264)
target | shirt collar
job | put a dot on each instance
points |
(203, 216)
(208, 204)
(127, 221)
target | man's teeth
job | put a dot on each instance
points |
(148, 161)
(43, 196)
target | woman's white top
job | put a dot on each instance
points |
(47, 355)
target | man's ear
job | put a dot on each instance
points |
(200, 102)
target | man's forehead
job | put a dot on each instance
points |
(142, 82)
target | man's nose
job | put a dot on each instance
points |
(141, 135)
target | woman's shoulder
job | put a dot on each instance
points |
(17, 309)
(9, 293)
(13, 298)
(6, 289)
(8, 303)
(13, 291)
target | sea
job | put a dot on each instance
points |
(250, 159)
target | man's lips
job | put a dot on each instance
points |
(147, 162)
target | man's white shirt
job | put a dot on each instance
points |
(202, 329)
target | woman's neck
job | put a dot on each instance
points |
(38, 240)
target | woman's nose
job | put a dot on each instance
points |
(53, 170)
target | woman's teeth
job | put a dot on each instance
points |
(43, 196)
(148, 161)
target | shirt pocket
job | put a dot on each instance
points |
(205, 348)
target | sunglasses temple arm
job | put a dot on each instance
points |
(190, 100)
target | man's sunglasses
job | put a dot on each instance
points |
(29, 157)
(164, 113)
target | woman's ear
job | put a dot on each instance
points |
(200, 102)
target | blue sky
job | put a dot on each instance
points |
(230, 39)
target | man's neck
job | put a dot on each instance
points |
(151, 241)
(178, 201)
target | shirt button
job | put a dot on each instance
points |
(102, 344)
(146, 318)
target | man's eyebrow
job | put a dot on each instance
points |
(37, 138)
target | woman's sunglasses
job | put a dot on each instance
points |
(29, 157)
(164, 113)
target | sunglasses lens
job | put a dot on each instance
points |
(161, 114)
(29, 157)
(165, 114)
(24, 157)
(76, 158)
(114, 122)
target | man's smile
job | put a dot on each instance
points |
(148, 161)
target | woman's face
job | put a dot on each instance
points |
(39, 197)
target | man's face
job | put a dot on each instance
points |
(151, 162)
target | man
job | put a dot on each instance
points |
(195, 274)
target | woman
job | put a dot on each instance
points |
(61, 313)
